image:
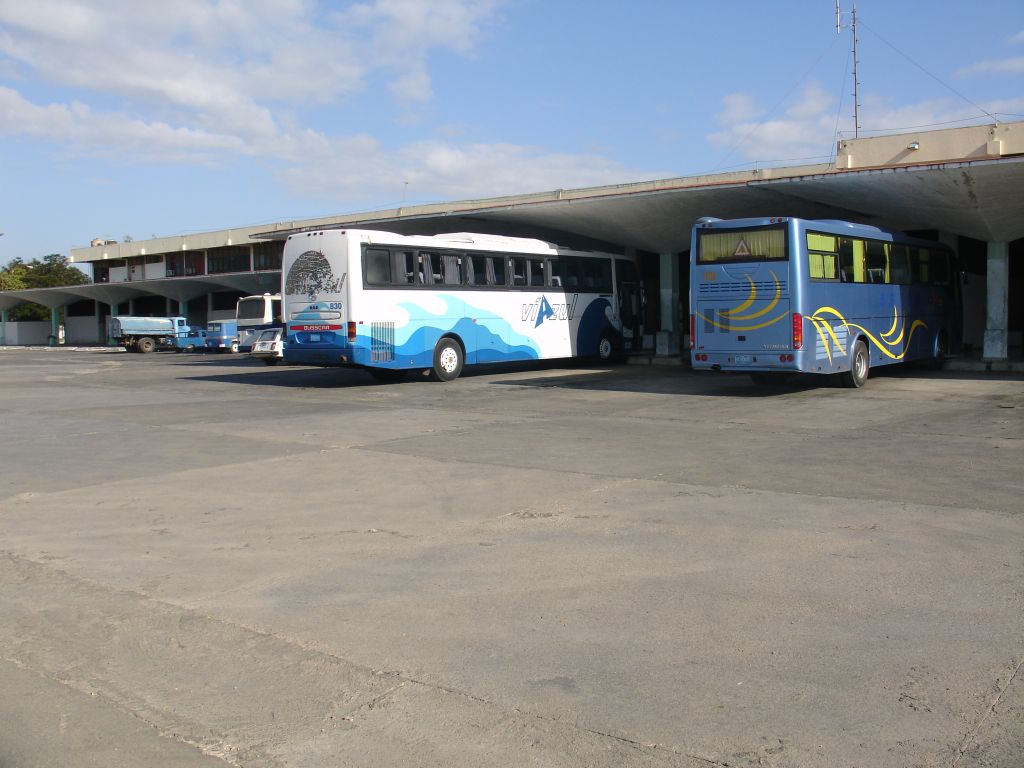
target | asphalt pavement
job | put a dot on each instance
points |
(207, 561)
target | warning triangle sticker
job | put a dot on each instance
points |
(742, 249)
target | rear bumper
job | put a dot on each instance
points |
(754, 362)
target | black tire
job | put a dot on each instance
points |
(234, 346)
(387, 374)
(860, 364)
(448, 360)
(607, 349)
(938, 359)
(189, 348)
(145, 345)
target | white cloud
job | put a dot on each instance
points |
(212, 82)
(804, 130)
(1012, 66)
(1018, 38)
(363, 170)
(807, 129)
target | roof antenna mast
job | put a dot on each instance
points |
(851, 24)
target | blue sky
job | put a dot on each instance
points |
(120, 117)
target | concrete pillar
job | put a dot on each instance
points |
(4, 319)
(670, 334)
(113, 313)
(997, 301)
(54, 327)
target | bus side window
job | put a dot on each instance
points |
(452, 264)
(496, 270)
(851, 260)
(899, 265)
(430, 268)
(821, 266)
(940, 268)
(570, 268)
(877, 262)
(378, 267)
(404, 267)
(536, 269)
(920, 261)
(518, 267)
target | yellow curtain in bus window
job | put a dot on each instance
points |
(752, 245)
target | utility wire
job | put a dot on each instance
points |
(779, 103)
(933, 77)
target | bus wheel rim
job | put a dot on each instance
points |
(449, 359)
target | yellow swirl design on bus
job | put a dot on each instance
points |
(891, 343)
(736, 313)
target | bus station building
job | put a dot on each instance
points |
(962, 186)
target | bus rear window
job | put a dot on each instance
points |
(714, 247)
(252, 309)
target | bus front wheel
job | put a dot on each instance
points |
(859, 365)
(448, 360)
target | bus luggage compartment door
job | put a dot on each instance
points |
(762, 328)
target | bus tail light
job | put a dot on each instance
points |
(693, 328)
(798, 331)
(351, 332)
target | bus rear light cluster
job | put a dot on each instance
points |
(693, 330)
(351, 332)
(701, 357)
(798, 331)
(786, 358)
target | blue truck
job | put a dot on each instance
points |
(146, 334)
(222, 336)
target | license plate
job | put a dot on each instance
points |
(743, 358)
(314, 337)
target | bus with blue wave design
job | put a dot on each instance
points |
(392, 303)
(782, 295)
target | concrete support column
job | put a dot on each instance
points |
(183, 308)
(113, 313)
(4, 319)
(670, 334)
(997, 301)
(54, 327)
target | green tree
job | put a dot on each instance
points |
(50, 272)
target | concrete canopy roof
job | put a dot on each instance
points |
(179, 289)
(965, 181)
(979, 199)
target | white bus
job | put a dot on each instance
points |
(392, 303)
(254, 314)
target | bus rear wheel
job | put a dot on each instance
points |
(448, 360)
(859, 365)
(606, 349)
(938, 359)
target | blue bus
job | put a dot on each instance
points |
(392, 303)
(786, 295)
